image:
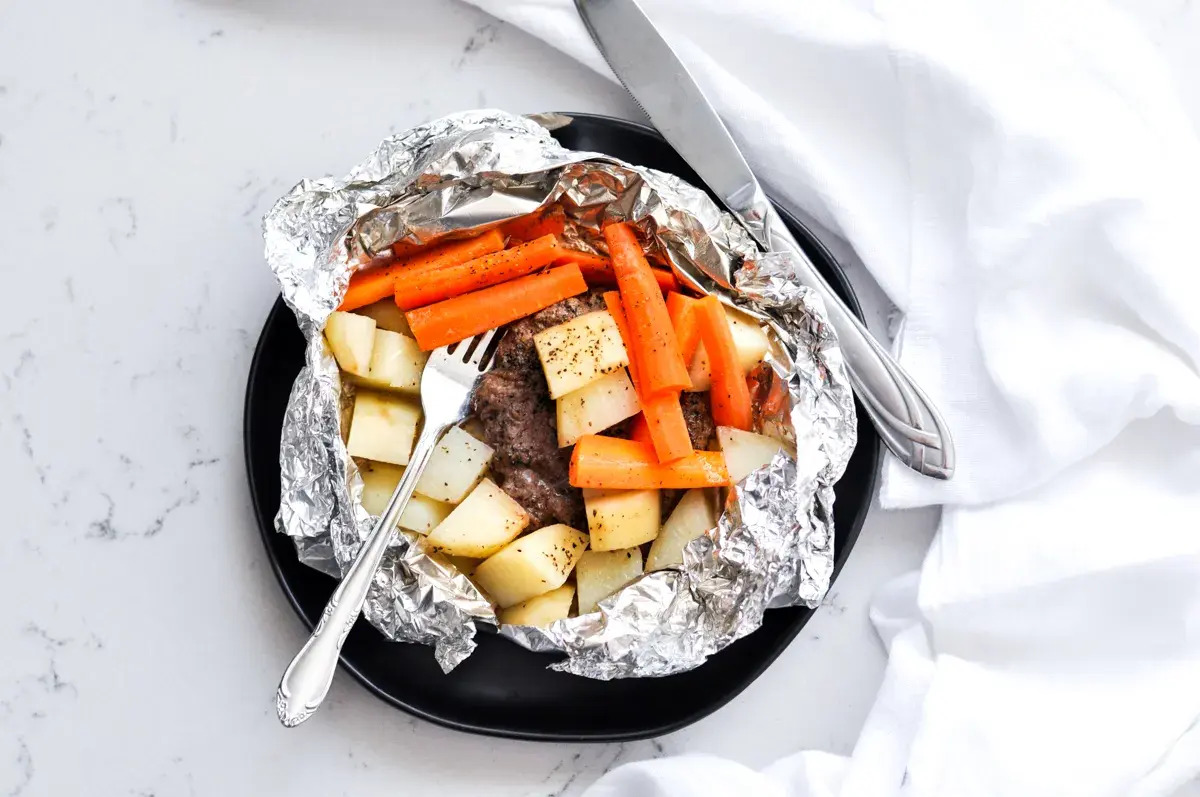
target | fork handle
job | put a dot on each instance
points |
(307, 679)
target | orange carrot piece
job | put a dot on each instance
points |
(598, 270)
(662, 412)
(767, 392)
(657, 350)
(551, 221)
(611, 463)
(665, 279)
(378, 282)
(463, 316)
(494, 242)
(405, 248)
(612, 301)
(415, 289)
(730, 395)
(668, 427)
(683, 317)
(639, 430)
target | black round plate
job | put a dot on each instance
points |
(502, 689)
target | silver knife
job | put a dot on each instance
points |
(907, 420)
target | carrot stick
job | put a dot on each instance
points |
(598, 270)
(730, 396)
(683, 317)
(551, 221)
(417, 288)
(378, 282)
(639, 430)
(662, 412)
(665, 279)
(463, 316)
(657, 350)
(405, 248)
(494, 243)
(612, 301)
(614, 464)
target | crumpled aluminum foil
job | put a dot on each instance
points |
(774, 543)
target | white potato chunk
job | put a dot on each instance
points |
(749, 340)
(387, 316)
(420, 514)
(455, 467)
(383, 427)
(692, 516)
(464, 564)
(481, 525)
(541, 610)
(621, 518)
(351, 338)
(601, 573)
(536, 563)
(745, 452)
(580, 351)
(396, 363)
(379, 482)
(593, 408)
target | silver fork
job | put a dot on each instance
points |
(446, 383)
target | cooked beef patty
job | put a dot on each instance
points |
(512, 402)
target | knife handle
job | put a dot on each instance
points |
(907, 420)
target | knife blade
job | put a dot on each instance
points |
(908, 422)
(664, 88)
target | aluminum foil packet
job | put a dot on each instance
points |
(461, 174)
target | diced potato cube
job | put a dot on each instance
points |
(379, 482)
(601, 573)
(621, 518)
(383, 428)
(593, 408)
(420, 514)
(455, 467)
(351, 338)
(464, 564)
(692, 516)
(536, 563)
(387, 316)
(580, 351)
(396, 363)
(745, 452)
(749, 340)
(481, 525)
(541, 610)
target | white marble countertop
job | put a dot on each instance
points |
(140, 143)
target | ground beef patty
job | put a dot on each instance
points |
(697, 413)
(513, 403)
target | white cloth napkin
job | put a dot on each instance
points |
(1019, 177)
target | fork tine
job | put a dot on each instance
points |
(480, 355)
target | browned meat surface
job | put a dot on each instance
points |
(516, 352)
(513, 404)
(698, 415)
